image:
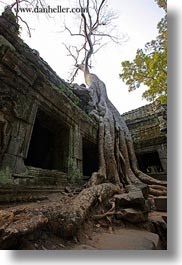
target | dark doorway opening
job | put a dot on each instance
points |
(90, 158)
(49, 145)
(41, 148)
(150, 162)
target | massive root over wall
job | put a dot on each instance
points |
(117, 159)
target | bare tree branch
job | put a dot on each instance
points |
(29, 32)
(16, 7)
(87, 35)
(89, 15)
(98, 15)
(95, 26)
(100, 47)
(74, 34)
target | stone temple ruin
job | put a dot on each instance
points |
(46, 134)
(49, 144)
(44, 126)
(148, 126)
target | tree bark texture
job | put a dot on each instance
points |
(117, 159)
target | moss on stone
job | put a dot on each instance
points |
(5, 176)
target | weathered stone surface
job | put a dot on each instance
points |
(132, 215)
(133, 197)
(151, 202)
(146, 207)
(161, 203)
(6, 43)
(144, 188)
(139, 186)
(19, 65)
(145, 124)
(12, 193)
(148, 126)
(125, 239)
(159, 221)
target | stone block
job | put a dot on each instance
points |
(133, 197)
(132, 215)
(144, 188)
(9, 161)
(4, 42)
(14, 145)
(161, 203)
(146, 207)
(20, 167)
(18, 64)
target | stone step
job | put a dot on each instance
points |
(26, 194)
(161, 203)
(41, 176)
(135, 197)
(158, 176)
(16, 191)
(45, 180)
(4, 200)
(29, 189)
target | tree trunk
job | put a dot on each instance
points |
(117, 157)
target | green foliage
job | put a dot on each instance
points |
(76, 101)
(162, 4)
(150, 65)
(5, 176)
(62, 88)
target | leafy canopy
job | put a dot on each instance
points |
(150, 64)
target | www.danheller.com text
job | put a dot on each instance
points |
(49, 9)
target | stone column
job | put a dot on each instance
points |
(163, 156)
(75, 158)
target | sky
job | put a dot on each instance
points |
(136, 18)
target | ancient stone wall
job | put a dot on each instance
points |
(148, 126)
(38, 111)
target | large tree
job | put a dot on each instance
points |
(149, 66)
(117, 158)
